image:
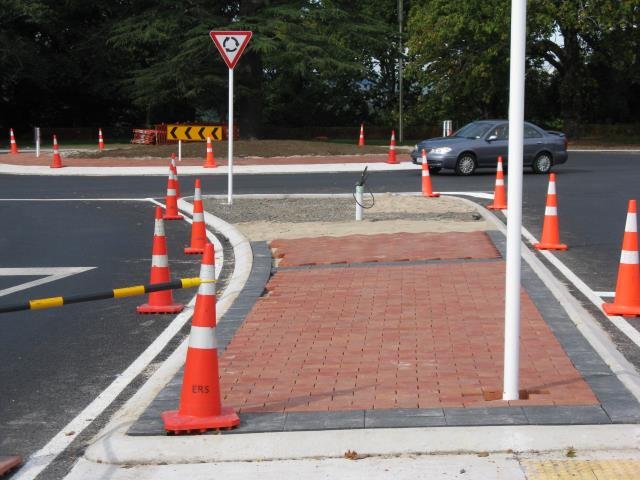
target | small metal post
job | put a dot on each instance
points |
(36, 134)
(179, 150)
(446, 128)
(359, 192)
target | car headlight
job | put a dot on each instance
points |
(441, 150)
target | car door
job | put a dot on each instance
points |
(496, 143)
(533, 143)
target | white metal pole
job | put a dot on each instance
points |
(359, 191)
(37, 135)
(179, 150)
(514, 201)
(230, 139)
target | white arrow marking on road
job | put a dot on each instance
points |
(50, 275)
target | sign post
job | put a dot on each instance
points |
(231, 45)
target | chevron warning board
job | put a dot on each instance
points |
(194, 133)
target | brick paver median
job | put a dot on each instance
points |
(394, 336)
(382, 248)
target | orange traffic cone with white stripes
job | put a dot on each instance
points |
(627, 299)
(426, 177)
(12, 141)
(550, 228)
(361, 138)
(171, 200)
(56, 162)
(100, 140)
(200, 407)
(198, 228)
(391, 158)
(499, 193)
(174, 171)
(160, 302)
(210, 160)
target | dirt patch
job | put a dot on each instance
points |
(267, 219)
(241, 148)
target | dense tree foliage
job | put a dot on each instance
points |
(313, 62)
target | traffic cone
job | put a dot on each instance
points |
(200, 407)
(426, 177)
(12, 141)
(627, 299)
(174, 171)
(210, 161)
(160, 302)
(57, 160)
(361, 139)
(100, 140)
(550, 229)
(392, 149)
(171, 200)
(499, 193)
(198, 229)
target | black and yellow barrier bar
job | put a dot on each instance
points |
(42, 303)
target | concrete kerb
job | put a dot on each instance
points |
(113, 446)
(196, 170)
(112, 442)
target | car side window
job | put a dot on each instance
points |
(501, 132)
(530, 132)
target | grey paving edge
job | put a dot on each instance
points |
(616, 401)
(617, 404)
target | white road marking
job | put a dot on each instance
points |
(622, 325)
(74, 199)
(605, 294)
(52, 274)
(43, 457)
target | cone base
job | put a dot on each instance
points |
(176, 423)
(193, 250)
(432, 195)
(55, 166)
(392, 162)
(173, 308)
(9, 463)
(172, 217)
(496, 207)
(550, 246)
(624, 310)
(208, 165)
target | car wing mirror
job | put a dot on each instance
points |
(491, 138)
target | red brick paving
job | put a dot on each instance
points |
(45, 160)
(415, 336)
(382, 248)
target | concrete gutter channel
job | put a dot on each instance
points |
(135, 436)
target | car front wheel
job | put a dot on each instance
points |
(542, 163)
(466, 164)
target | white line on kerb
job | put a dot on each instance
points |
(43, 457)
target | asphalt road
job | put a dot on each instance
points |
(54, 362)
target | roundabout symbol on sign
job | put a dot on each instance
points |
(232, 39)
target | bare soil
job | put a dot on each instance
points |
(241, 148)
(267, 219)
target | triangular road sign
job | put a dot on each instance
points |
(231, 44)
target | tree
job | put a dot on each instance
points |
(458, 56)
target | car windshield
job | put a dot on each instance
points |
(473, 130)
